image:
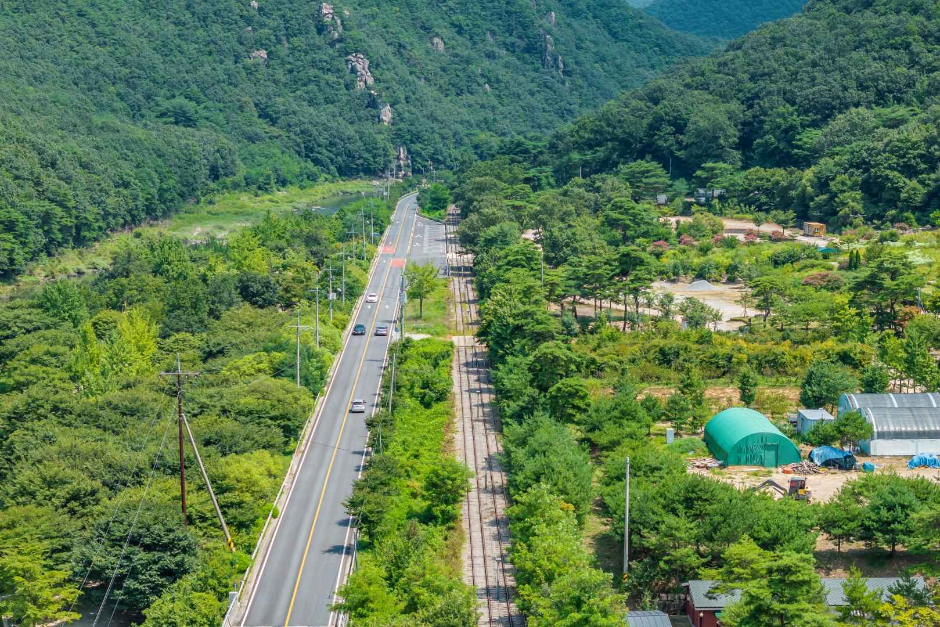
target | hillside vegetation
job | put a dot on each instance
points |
(117, 111)
(89, 488)
(721, 18)
(831, 114)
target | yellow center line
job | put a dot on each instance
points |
(342, 427)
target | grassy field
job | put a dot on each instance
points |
(436, 319)
(217, 217)
(231, 211)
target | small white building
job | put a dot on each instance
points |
(808, 419)
(904, 424)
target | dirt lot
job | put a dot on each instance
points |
(823, 486)
(721, 296)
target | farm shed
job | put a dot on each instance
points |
(744, 437)
(904, 424)
(807, 419)
(648, 618)
(704, 607)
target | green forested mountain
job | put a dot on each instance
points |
(721, 18)
(832, 113)
(118, 110)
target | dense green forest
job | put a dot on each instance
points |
(87, 427)
(832, 114)
(721, 18)
(594, 356)
(115, 112)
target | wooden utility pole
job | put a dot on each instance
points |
(299, 327)
(180, 379)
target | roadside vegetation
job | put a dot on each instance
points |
(407, 502)
(90, 490)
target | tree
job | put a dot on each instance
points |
(631, 220)
(552, 362)
(34, 593)
(875, 379)
(747, 386)
(851, 428)
(446, 485)
(434, 199)
(568, 399)
(901, 613)
(840, 518)
(257, 289)
(777, 588)
(888, 518)
(861, 604)
(162, 550)
(647, 179)
(678, 411)
(185, 604)
(422, 281)
(63, 300)
(824, 383)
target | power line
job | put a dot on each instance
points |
(127, 541)
(120, 500)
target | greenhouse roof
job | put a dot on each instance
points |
(903, 423)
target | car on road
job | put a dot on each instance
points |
(372, 298)
(358, 407)
(381, 330)
(359, 329)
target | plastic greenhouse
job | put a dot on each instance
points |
(744, 437)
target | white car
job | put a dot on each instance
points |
(358, 406)
(372, 298)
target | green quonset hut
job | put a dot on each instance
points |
(744, 437)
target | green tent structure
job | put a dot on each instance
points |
(744, 437)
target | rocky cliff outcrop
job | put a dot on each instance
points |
(259, 55)
(331, 23)
(550, 59)
(385, 115)
(437, 43)
(404, 161)
(358, 64)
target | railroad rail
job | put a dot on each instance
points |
(486, 563)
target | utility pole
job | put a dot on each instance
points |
(180, 379)
(344, 272)
(317, 290)
(626, 522)
(329, 296)
(402, 301)
(372, 222)
(298, 326)
(362, 213)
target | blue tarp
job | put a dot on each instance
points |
(924, 459)
(832, 457)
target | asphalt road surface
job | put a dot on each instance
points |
(312, 539)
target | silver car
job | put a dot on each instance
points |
(358, 406)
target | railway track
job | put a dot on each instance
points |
(486, 563)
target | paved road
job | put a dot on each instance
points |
(312, 539)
